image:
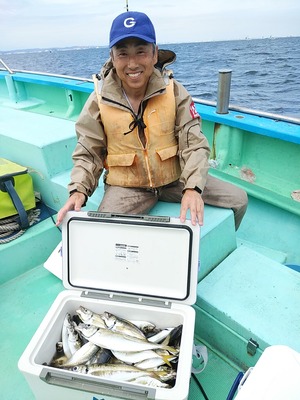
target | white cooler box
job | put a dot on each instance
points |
(136, 267)
(276, 376)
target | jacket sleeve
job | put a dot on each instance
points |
(193, 146)
(90, 151)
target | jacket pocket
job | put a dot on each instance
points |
(168, 152)
(120, 160)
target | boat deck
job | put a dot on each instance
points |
(237, 270)
(39, 287)
(227, 343)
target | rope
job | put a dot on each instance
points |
(10, 227)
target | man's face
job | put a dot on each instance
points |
(134, 60)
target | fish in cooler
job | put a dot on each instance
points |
(111, 347)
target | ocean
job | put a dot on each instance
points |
(265, 72)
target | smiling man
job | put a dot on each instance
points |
(141, 126)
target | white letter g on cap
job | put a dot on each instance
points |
(129, 22)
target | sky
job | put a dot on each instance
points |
(28, 24)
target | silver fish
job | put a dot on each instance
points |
(149, 381)
(67, 324)
(165, 373)
(81, 368)
(116, 341)
(74, 340)
(144, 326)
(121, 372)
(89, 317)
(121, 325)
(133, 357)
(139, 356)
(158, 337)
(154, 362)
(82, 355)
(102, 356)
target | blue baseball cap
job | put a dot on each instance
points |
(132, 24)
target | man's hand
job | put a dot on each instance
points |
(74, 202)
(192, 201)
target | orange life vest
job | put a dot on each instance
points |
(129, 162)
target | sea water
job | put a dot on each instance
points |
(265, 72)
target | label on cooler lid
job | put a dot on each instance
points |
(126, 252)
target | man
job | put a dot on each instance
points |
(141, 126)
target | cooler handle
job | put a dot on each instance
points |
(95, 385)
(151, 218)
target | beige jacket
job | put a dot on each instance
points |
(90, 153)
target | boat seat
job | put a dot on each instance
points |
(42, 143)
(244, 304)
(218, 238)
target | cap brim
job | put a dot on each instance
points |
(122, 37)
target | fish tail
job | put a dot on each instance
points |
(167, 359)
(172, 350)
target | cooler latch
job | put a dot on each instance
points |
(252, 346)
(127, 299)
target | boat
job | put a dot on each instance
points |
(248, 282)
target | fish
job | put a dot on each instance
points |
(58, 362)
(59, 348)
(122, 372)
(139, 356)
(165, 373)
(82, 355)
(67, 324)
(110, 347)
(120, 325)
(74, 340)
(89, 317)
(160, 336)
(174, 337)
(154, 362)
(149, 381)
(102, 356)
(59, 357)
(116, 341)
(145, 326)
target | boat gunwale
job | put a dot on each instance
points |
(245, 110)
(232, 107)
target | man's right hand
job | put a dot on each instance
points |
(75, 202)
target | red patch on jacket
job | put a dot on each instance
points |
(193, 111)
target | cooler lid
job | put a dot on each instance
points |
(138, 257)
